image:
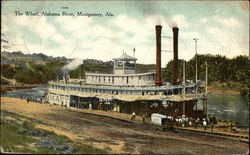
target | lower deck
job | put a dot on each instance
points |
(190, 108)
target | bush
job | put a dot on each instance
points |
(244, 92)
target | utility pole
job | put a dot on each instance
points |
(196, 70)
(82, 69)
(184, 78)
(206, 77)
(206, 87)
(134, 53)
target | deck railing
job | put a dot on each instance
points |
(145, 88)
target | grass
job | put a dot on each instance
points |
(23, 137)
(12, 141)
(88, 149)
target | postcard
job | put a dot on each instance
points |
(125, 77)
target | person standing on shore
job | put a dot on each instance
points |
(205, 124)
(196, 123)
(133, 116)
(143, 118)
(27, 99)
(231, 126)
(212, 126)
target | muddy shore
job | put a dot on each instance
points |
(119, 136)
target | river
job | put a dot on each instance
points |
(229, 107)
(226, 107)
(33, 92)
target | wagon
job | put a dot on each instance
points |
(161, 121)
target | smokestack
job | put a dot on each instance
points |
(158, 55)
(175, 65)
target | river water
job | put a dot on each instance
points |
(226, 107)
(33, 92)
(230, 107)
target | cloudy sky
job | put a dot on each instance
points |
(221, 27)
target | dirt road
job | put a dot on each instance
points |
(119, 136)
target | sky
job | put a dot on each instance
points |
(222, 27)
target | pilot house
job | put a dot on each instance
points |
(124, 74)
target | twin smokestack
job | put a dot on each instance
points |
(158, 81)
(175, 65)
(158, 55)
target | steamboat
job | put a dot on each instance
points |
(128, 91)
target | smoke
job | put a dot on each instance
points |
(72, 65)
(171, 23)
(158, 20)
(151, 8)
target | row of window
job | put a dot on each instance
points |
(115, 92)
(108, 78)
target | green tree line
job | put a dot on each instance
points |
(29, 73)
(220, 69)
(222, 72)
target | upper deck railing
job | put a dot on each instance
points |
(128, 87)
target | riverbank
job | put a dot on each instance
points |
(223, 92)
(229, 88)
(113, 135)
(5, 88)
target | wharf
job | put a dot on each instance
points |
(239, 135)
(37, 108)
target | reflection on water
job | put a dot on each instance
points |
(229, 107)
(226, 107)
